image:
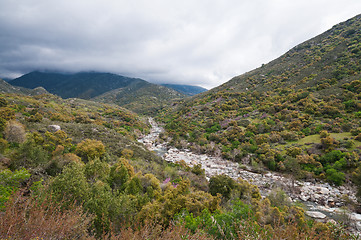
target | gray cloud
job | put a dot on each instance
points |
(202, 42)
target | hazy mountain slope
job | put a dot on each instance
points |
(287, 115)
(81, 85)
(186, 89)
(144, 99)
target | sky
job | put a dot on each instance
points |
(196, 42)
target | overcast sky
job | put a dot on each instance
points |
(197, 42)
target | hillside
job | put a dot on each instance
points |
(186, 89)
(146, 99)
(299, 114)
(5, 87)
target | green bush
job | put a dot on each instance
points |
(10, 182)
(222, 184)
(335, 176)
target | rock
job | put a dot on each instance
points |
(54, 128)
(355, 216)
(322, 190)
(304, 198)
(314, 214)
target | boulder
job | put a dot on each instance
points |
(54, 128)
(314, 214)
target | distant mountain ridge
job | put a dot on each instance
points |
(189, 90)
(136, 94)
(85, 85)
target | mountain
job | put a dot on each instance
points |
(186, 89)
(84, 85)
(298, 114)
(134, 93)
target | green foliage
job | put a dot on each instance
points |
(10, 182)
(197, 169)
(29, 155)
(90, 149)
(97, 170)
(71, 184)
(335, 176)
(221, 184)
(120, 173)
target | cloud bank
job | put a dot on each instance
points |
(202, 42)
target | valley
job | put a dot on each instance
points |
(274, 153)
(321, 200)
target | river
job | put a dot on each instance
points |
(321, 200)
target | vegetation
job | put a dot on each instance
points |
(72, 169)
(299, 114)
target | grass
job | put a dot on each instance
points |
(315, 139)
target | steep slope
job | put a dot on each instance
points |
(143, 99)
(80, 85)
(326, 61)
(186, 89)
(298, 114)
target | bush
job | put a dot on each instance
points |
(28, 218)
(14, 132)
(10, 182)
(222, 184)
(358, 137)
(90, 149)
(197, 169)
(335, 176)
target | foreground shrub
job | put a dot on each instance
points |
(27, 218)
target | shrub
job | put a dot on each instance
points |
(90, 149)
(197, 169)
(358, 137)
(29, 155)
(335, 176)
(9, 182)
(71, 185)
(28, 218)
(221, 184)
(14, 132)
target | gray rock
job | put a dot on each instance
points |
(314, 214)
(54, 128)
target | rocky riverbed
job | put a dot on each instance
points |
(323, 201)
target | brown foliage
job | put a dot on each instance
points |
(28, 218)
(155, 231)
(14, 132)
